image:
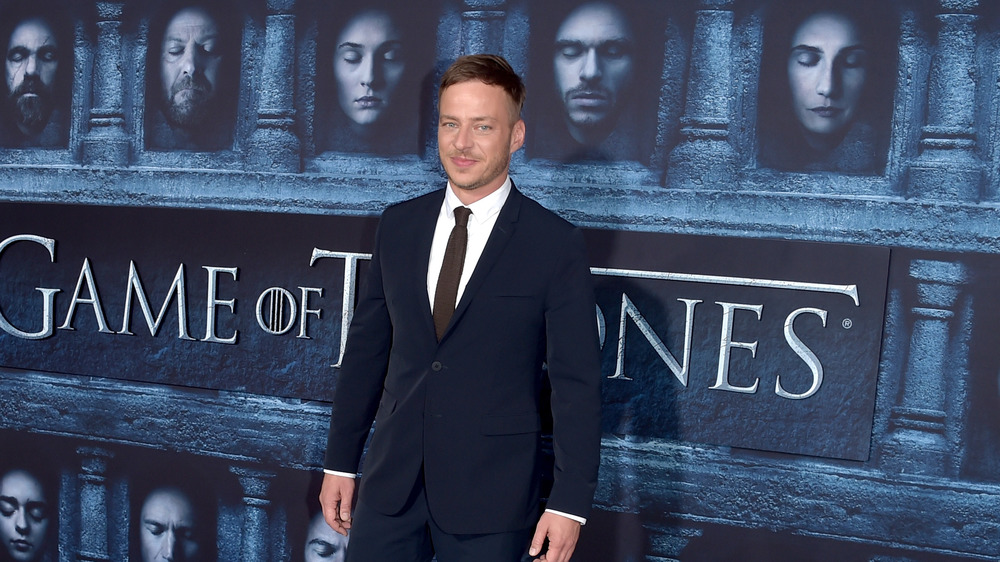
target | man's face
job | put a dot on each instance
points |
(323, 544)
(593, 64)
(368, 66)
(31, 65)
(189, 66)
(24, 516)
(478, 130)
(168, 527)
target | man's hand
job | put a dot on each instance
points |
(562, 533)
(337, 500)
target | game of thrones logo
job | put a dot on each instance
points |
(762, 344)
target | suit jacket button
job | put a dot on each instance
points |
(436, 366)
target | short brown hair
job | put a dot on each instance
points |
(492, 70)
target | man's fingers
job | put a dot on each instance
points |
(537, 541)
(332, 517)
(331, 514)
(336, 499)
(556, 553)
(346, 502)
(562, 534)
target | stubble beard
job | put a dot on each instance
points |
(490, 174)
(31, 112)
(194, 111)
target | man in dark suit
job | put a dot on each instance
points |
(458, 392)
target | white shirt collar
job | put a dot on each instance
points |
(482, 209)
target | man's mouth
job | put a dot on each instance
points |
(461, 161)
(187, 88)
(28, 89)
(588, 98)
(189, 94)
(588, 94)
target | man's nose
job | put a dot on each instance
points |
(189, 61)
(463, 138)
(168, 545)
(591, 69)
(31, 65)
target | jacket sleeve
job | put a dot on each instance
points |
(362, 373)
(574, 371)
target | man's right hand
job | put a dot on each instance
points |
(337, 500)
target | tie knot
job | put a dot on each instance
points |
(462, 216)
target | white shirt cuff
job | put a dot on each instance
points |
(337, 473)
(580, 520)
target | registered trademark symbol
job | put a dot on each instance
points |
(847, 323)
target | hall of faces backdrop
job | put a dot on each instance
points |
(790, 209)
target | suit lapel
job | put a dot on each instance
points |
(423, 237)
(502, 231)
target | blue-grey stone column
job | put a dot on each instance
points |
(105, 142)
(947, 167)
(256, 506)
(274, 146)
(93, 504)
(920, 433)
(483, 26)
(704, 156)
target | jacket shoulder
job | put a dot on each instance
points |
(427, 201)
(532, 212)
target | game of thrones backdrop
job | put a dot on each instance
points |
(790, 207)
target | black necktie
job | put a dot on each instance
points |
(451, 271)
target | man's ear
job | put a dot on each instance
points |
(517, 136)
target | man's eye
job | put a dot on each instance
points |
(155, 530)
(323, 549)
(47, 56)
(614, 50)
(571, 51)
(16, 55)
(175, 51)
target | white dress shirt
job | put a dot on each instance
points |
(481, 221)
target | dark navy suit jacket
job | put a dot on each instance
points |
(469, 409)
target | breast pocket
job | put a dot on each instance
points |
(512, 308)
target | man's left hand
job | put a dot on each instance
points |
(562, 533)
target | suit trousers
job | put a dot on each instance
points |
(412, 536)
